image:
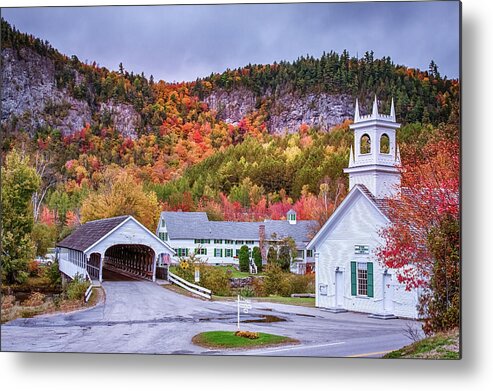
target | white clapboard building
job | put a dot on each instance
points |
(348, 274)
(219, 242)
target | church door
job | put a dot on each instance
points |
(388, 289)
(339, 289)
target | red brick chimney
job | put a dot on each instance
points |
(261, 235)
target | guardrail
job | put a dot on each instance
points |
(195, 289)
(88, 294)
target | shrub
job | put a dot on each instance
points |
(77, 288)
(273, 278)
(8, 302)
(285, 284)
(53, 274)
(35, 299)
(302, 283)
(33, 268)
(247, 334)
(244, 259)
(257, 258)
(216, 279)
(258, 286)
(247, 292)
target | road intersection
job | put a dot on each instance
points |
(143, 317)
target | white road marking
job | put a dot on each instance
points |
(296, 347)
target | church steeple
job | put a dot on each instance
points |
(374, 111)
(356, 111)
(375, 158)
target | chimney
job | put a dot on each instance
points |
(261, 236)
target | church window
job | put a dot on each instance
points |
(365, 144)
(362, 279)
(384, 144)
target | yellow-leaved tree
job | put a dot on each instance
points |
(120, 193)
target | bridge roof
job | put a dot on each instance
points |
(89, 233)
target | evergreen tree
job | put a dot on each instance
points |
(257, 258)
(244, 259)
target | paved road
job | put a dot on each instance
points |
(143, 317)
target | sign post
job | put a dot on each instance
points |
(243, 304)
(197, 274)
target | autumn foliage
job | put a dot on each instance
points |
(422, 241)
(120, 195)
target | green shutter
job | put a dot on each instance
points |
(353, 279)
(369, 266)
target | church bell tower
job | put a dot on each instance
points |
(375, 159)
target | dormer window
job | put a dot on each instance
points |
(291, 217)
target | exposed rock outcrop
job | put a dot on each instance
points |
(287, 110)
(31, 98)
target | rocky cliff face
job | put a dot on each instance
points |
(287, 110)
(31, 98)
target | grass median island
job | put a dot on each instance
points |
(228, 340)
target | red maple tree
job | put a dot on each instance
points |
(430, 195)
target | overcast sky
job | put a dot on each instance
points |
(176, 43)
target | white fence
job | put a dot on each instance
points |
(69, 268)
(195, 289)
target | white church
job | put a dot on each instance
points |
(348, 275)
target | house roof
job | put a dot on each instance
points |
(380, 204)
(196, 225)
(89, 233)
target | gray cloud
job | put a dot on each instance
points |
(186, 42)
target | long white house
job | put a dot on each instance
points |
(219, 242)
(347, 273)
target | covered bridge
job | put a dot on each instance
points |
(120, 244)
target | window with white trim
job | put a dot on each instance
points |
(362, 278)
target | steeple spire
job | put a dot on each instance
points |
(398, 156)
(356, 111)
(374, 112)
(374, 157)
(392, 111)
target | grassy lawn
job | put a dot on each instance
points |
(228, 340)
(301, 301)
(234, 272)
(442, 346)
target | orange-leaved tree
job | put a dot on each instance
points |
(121, 194)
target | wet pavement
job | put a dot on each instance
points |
(142, 317)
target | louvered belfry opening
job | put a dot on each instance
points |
(129, 260)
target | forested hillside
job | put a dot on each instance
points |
(246, 144)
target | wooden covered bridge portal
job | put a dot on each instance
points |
(104, 248)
